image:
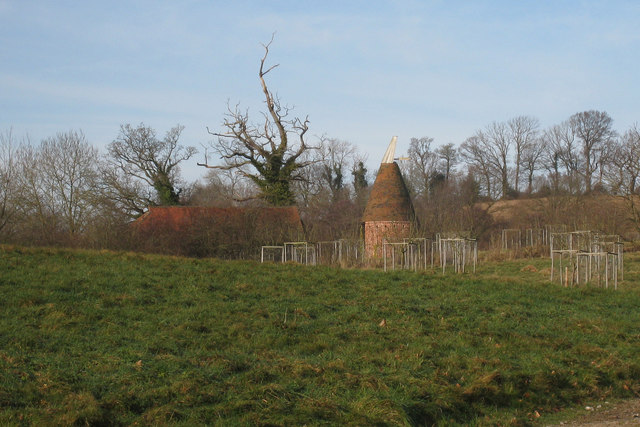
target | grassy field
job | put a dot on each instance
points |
(105, 338)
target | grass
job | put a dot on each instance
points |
(105, 338)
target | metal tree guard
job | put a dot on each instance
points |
(596, 267)
(569, 256)
(588, 258)
(300, 252)
(272, 253)
(460, 251)
(341, 252)
(511, 238)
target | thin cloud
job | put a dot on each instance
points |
(167, 101)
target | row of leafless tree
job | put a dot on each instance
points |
(508, 159)
(63, 191)
(581, 156)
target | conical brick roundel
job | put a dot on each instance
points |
(389, 199)
(389, 213)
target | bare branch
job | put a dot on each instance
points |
(266, 52)
(264, 148)
(138, 153)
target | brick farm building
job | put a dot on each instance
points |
(389, 214)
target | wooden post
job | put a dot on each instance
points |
(606, 272)
(384, 254)
(393, 257)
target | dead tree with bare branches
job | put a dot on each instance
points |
(269, 153)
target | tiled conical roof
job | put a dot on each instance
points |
(389, 199)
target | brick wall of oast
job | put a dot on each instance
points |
(376, 232)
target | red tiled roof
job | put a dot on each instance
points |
(180, 218)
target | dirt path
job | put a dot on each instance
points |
(625, 413)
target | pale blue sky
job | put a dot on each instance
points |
(362, 71)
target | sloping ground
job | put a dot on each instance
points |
(506, 211)
(103, 338)
(604, 213)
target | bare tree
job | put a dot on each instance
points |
(421, 165)
(69, 164)
(551, 161)
(309, 184)
(473, 152)
(323, 193)
(489, 151)
(8, 178)
(497, 144)
(127, 193)
(58, 182)
(265, 148)
(607, 154)
(448, 156)
(594, 131)
(138, 161)
(561, 154)
(523, 132)
(35, 201)
(623, 175)
(221, 188)
(334, 159)
(531, 160)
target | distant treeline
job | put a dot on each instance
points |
(63, 191)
